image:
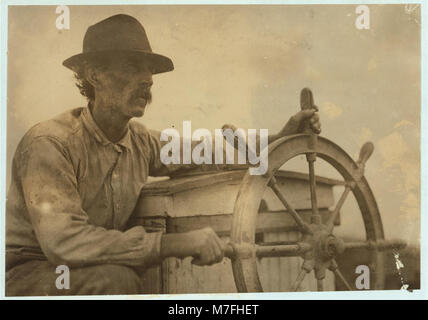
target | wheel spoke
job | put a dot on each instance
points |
(233, 251)
(290, 250)
(299, 280)
(342, 278)
(380, 245)
(299, 221)
(335, 268)
(276, 243)
(316, 218)
(335, 213)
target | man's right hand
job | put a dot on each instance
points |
(203, 245)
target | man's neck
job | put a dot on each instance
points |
(112, 124)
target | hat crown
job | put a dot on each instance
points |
(119, 32)
(122, 35)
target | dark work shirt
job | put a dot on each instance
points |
(73, 191)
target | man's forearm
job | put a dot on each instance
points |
(176, 245)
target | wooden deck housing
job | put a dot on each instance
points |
(195, 201)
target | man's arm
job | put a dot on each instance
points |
(66, 236)
(308, 118)
(204, 244)
(61, 225)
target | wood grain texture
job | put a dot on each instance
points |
(188, 203)
(215, 194)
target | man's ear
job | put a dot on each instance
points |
(92, 76)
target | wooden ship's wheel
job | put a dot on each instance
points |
(318, 246)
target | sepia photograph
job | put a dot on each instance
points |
(208, 148)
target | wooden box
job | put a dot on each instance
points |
(196, 201)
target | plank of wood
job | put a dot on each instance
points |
(305, 177)
(176, 185)
(220, 199)
(190, 182)
(151, 278)
(266, 222)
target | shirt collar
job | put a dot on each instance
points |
(93, 128)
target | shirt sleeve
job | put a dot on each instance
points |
(61, 225)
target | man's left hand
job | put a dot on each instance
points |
(297, 123)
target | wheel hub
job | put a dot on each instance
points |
(325, 247)
(331, 246)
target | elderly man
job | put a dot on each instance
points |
(77, 177)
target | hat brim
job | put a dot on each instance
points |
(156, 62)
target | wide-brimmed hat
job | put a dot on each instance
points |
(120, 35)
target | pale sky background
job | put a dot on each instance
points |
(246, 65)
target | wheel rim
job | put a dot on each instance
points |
(252, 190)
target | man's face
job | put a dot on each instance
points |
(125, 87)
